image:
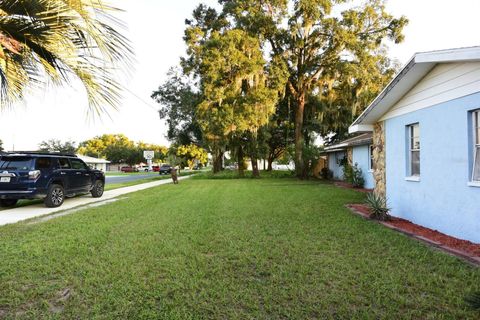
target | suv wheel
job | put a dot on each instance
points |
(8, 202)
(55, 196)
(97, 190)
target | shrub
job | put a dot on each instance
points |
(378, 207)
(353, 175)
(357, 177)
(326, 174)
(347, 172)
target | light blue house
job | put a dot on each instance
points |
(426, 141)
(356, 150)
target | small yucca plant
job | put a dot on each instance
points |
(473, 300)
(378, 207)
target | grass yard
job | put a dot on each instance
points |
(227, 249)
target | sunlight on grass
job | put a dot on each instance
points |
(227, 249)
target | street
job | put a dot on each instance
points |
(127, 178)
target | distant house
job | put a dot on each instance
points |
(95, 163)
(355, 150)
(426, 141)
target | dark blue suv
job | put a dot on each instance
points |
(48, 176)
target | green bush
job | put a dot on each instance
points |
(326, 174)
(378, 207)
(357, 179)
(347, 172)
(353, 175)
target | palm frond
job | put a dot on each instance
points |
(56, 39)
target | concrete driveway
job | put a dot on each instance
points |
(28, 212)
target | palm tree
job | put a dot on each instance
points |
(57, 41)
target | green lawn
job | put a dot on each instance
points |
(227, 249)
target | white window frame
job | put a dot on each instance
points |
(476, 142)
(411, 150)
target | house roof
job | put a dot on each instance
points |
(417, 68)
(92, 160)
(358, 140)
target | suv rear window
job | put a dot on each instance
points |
(16, 163)
(43, 163)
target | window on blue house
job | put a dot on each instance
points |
(414, 149)
(476, 146)
(371, 156)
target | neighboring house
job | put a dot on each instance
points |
(426, 141)
(355, 150)
(95, 163)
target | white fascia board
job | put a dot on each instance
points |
(360, 128)
(335, 147)
(416, 68)
(449, 55)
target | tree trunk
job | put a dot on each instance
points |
(218, 161)
(299, 165)
(255, 172)
(270, 163)
(240, 156)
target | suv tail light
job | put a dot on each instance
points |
(33, 175)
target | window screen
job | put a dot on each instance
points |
(476, 146)
(414, 140)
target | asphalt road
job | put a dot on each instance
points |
(128, 178)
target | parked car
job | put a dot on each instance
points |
(155, 168)
(165, 169)
(142, 169)
(128, 169)
(48, 176)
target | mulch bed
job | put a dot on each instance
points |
(346, 185)
(462, 248)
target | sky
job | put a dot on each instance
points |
(155, 28)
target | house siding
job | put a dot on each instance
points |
(361, 156)
(446, 81)
(442, 199)
(334, 165)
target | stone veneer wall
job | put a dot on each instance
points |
(379, 159)
(350, 156)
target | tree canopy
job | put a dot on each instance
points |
(337, 58)
(117, 148)
(192, 154)
(239, 90)
(55, 145)
(271, 67)
(178, 100)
